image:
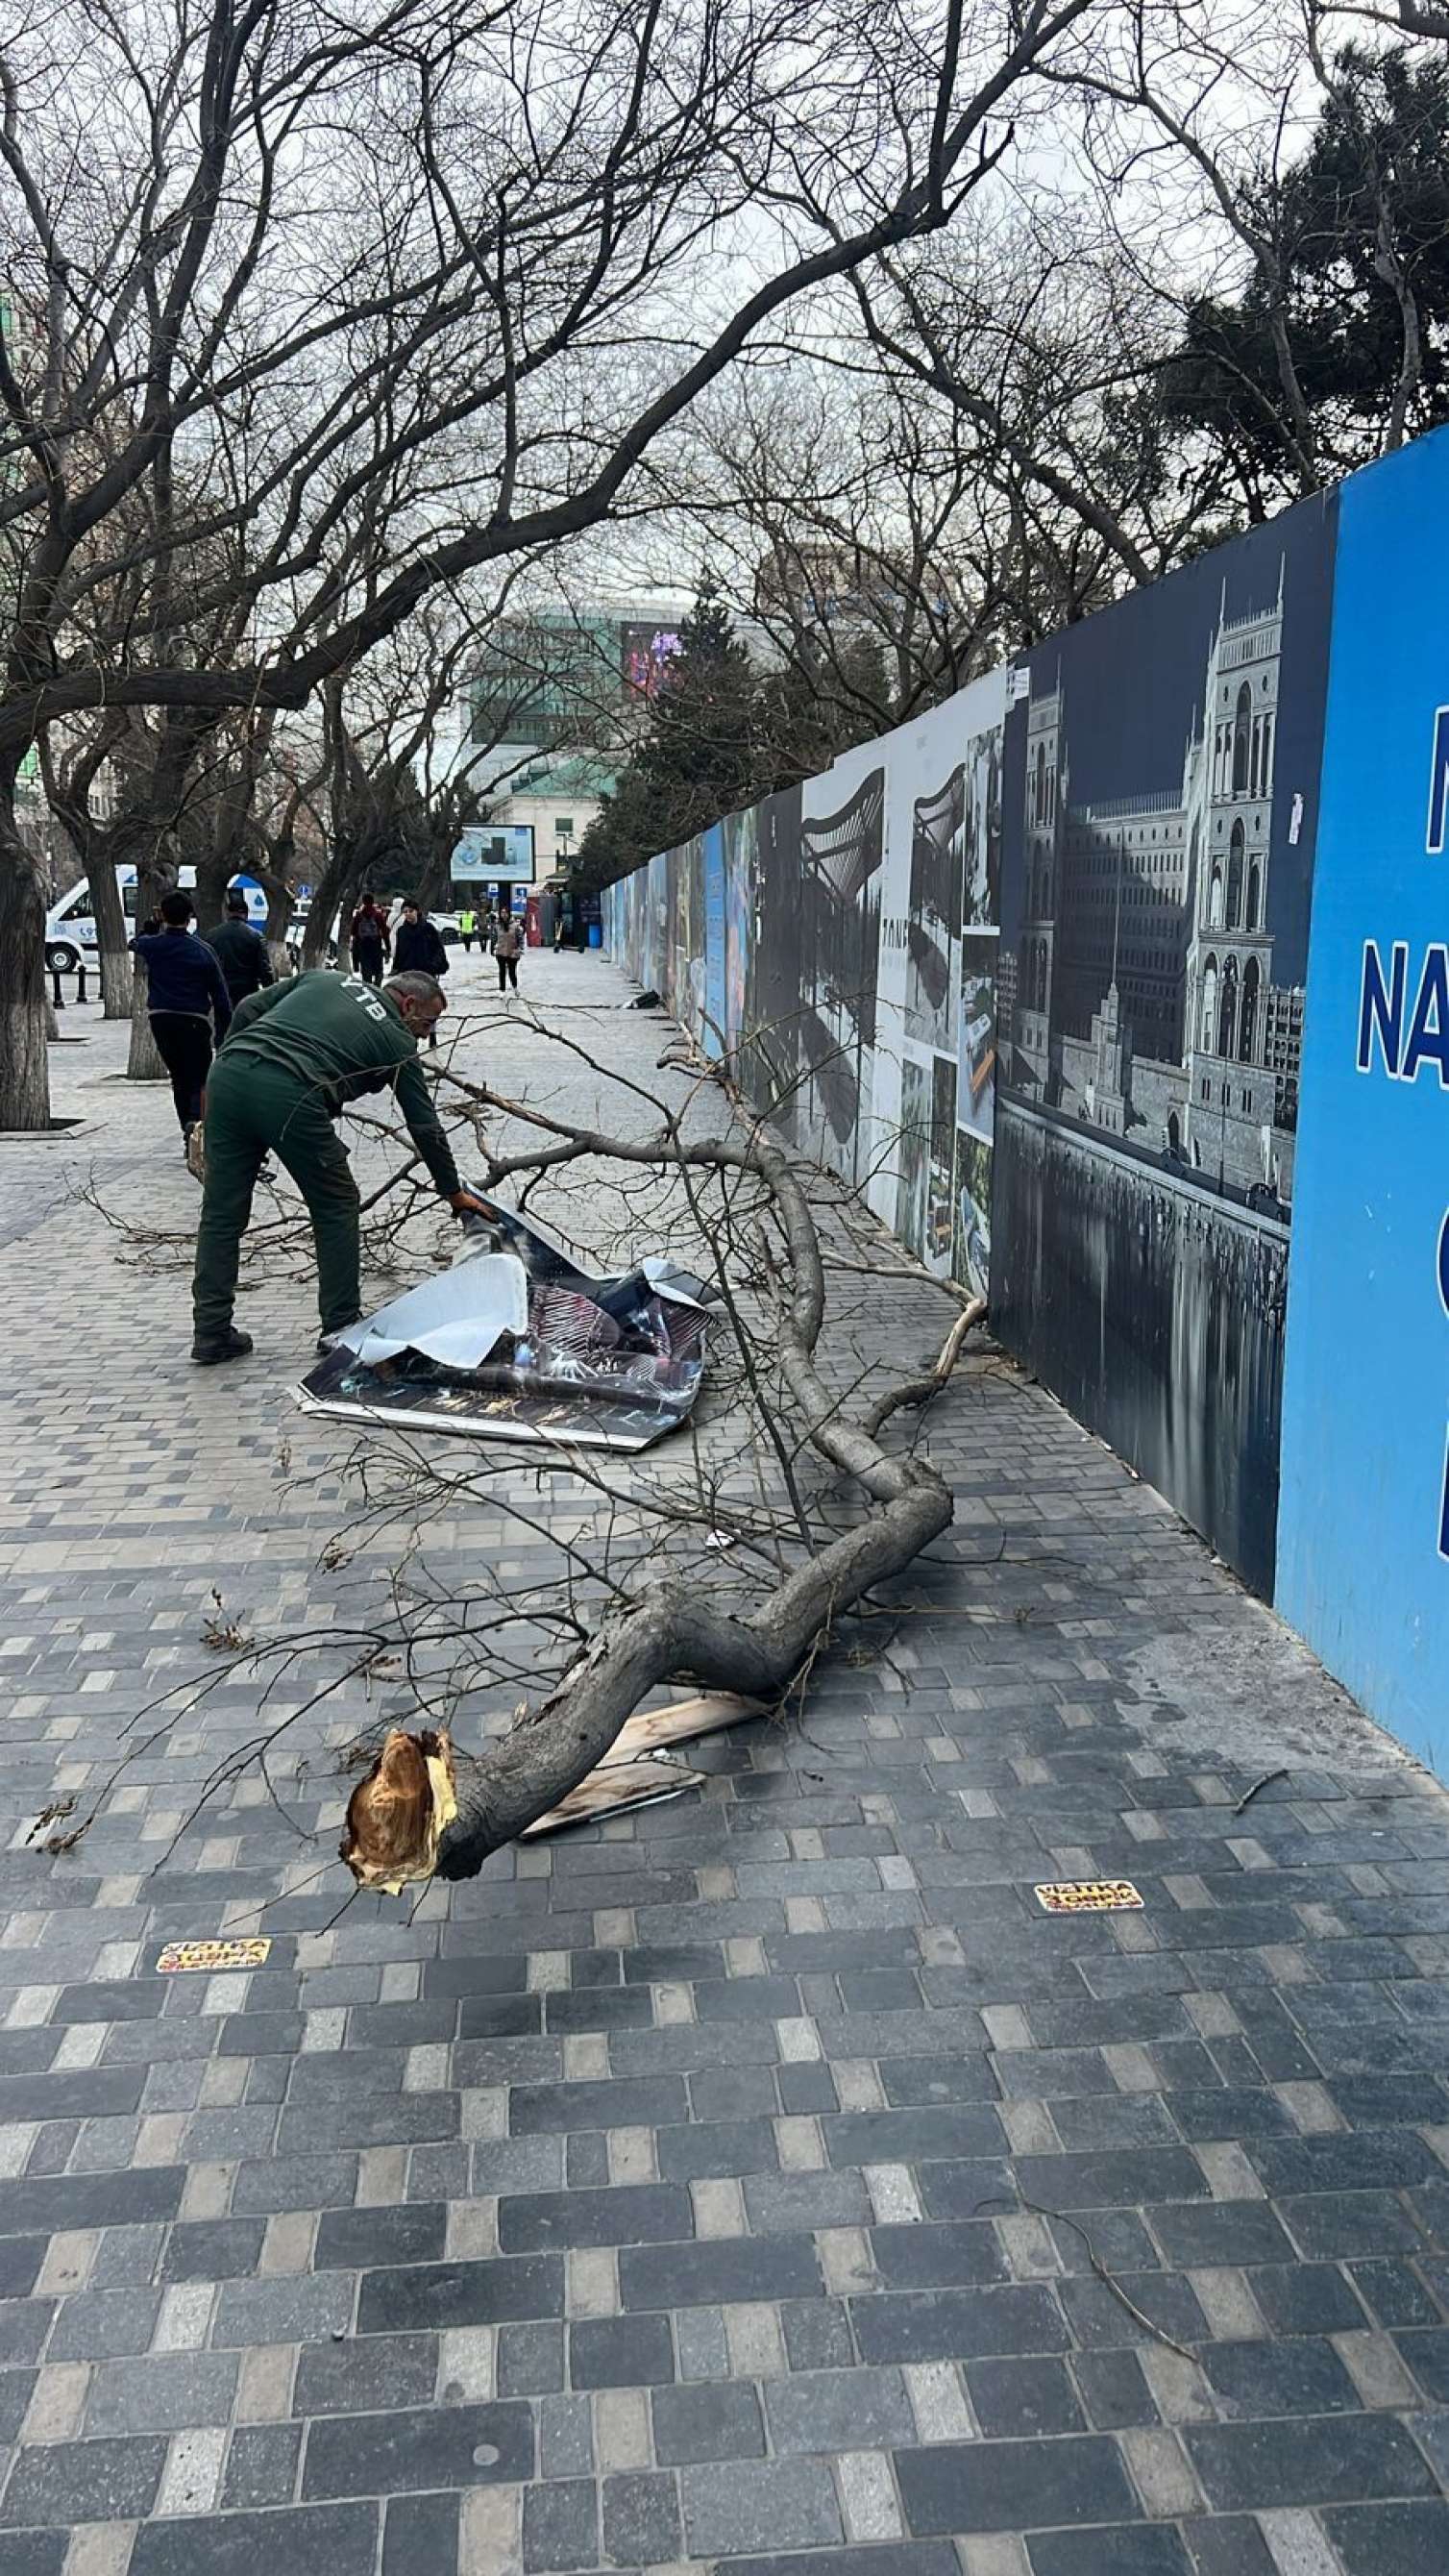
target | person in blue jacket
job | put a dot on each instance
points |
(186, 1002)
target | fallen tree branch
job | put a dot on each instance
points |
(673, 1631)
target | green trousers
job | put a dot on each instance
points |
(253, 1108)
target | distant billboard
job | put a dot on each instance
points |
(494, 850)
(646, 653)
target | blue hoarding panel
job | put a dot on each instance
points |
(1364, 1520)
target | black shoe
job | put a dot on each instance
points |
(331, 1341)
(210, 1349)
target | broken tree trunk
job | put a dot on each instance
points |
(671, 1631)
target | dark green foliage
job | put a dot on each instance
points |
(1369, 199)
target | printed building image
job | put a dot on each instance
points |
(1142, 999)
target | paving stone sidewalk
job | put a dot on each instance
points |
(764, 2184)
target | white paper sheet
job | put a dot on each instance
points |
(455, 1319)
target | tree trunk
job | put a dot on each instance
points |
(24, 1073)
(214, 873)
(143, 1064)
(329, 894)
(112, 936)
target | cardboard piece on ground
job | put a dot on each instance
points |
(611, 1791)
(684, 1720)
(628, 1777)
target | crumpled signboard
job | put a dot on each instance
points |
(520, 1344)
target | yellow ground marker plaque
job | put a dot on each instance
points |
(1089, 1896)
(179, 1958)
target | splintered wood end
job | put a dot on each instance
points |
(397, 1813)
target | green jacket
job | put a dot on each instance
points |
(342, 1037)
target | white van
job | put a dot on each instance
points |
(70, 925)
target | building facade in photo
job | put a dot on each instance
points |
(1143, 1002)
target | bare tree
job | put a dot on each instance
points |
(432, 278)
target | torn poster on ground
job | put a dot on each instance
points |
(516, 1342)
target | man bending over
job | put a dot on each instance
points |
(295, 1055)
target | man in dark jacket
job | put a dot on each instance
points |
(242, 951)
(297, 1054)
(185, 994)
(418, 949)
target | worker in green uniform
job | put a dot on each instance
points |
(296, 1053)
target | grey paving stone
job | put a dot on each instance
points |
(565, 2437)
(1014, 2486)
(531, 2359)
(838, 2410)
(20, 2261)
(560, 2525)
(1300, 2376)
(261, 2466)
(1019, 2399)
(161, 2392)
(70, 2482)
(646, 2104)
(295, 2182)
(787, 2202)
(1314, 2460)
(37, 2553)
(420, 2536)
(290, 2309)
(710, 2420)
(413, 2451)
(738, 2505)
(637, 2214)
(722, 2271)
(1130, 2550)
(423, 2296)
(90, 2200)
(350, 2240)
(24, 2326)
(326, 2540)
(218, 2249)
(365, 2372)
(949, 2325)
(96, 2323)
(621, 2352)
(894, 2558)
(1390, 2539)
(641, 2522)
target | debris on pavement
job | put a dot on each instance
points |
(515, 1342)
(397, 1814)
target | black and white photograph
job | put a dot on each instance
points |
(976, 1072)
(981, 881)
(1160, 808)
(938, 857)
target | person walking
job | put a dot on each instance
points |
(297, 1054)
(240, 951)
(508, 948)
(371, 940)
(186, 997)
(467, 928)
(418, 949)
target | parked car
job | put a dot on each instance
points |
(70, 924)
(295, 929)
